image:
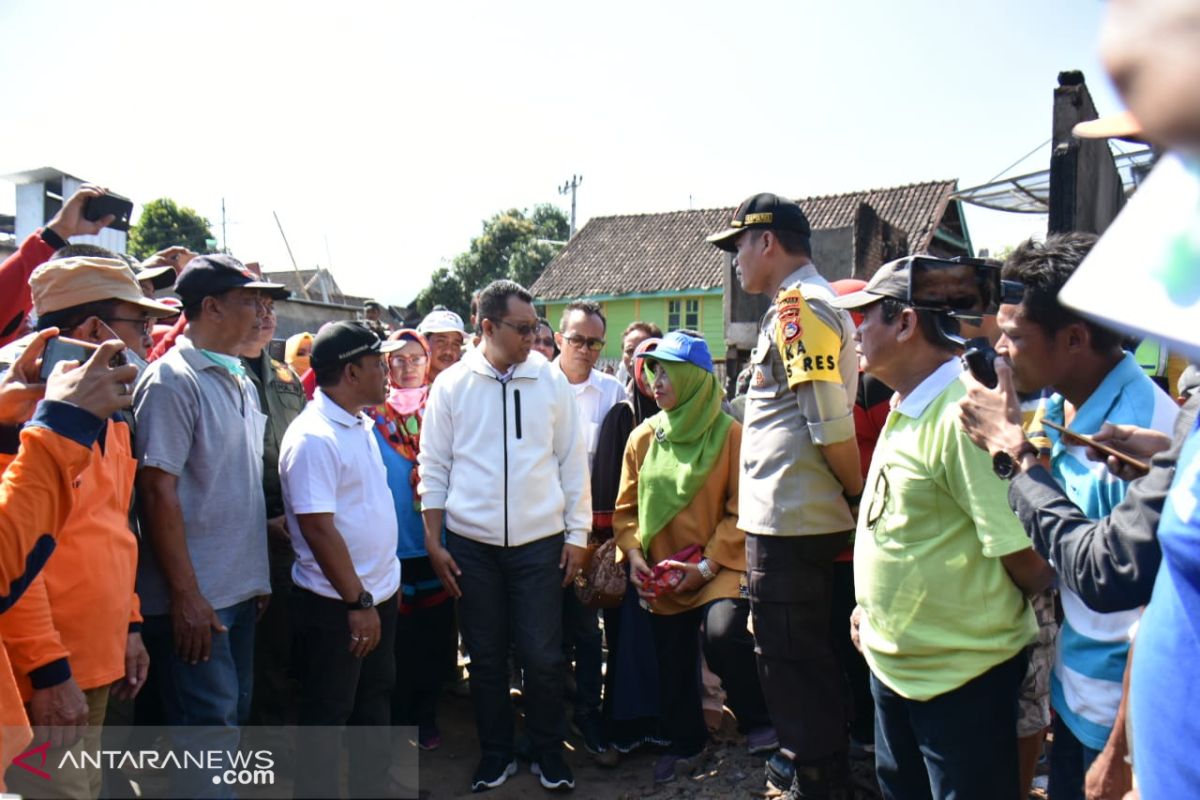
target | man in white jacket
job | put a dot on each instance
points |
(504, 473)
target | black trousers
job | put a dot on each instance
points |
(274, 698)
(513, 595)
(426, 649)
(791, 591)
(729, 650)
(960, 744)
(338, 689)
(860, 706)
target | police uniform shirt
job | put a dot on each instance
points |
(802, 386)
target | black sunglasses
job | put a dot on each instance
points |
(523, 330)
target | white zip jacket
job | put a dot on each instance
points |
(506, 460)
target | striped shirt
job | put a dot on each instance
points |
(1085, 688)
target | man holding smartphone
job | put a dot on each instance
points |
(72, 641)
(38, 248)
(1095, 382)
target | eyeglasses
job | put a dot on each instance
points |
(145, 324)
(523, 330)
(544, 341)
(579, 342)
(403, 362)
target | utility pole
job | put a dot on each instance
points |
(571, 186)
(224, 238)
(299, 279)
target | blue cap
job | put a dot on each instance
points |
(679, 347)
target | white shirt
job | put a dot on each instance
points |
(329, 463)
(595, 397)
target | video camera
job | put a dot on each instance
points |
(962, 289)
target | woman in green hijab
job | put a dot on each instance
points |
(679, 486)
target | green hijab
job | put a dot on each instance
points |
(688, 439)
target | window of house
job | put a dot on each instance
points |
(673, 315)
(691, 317)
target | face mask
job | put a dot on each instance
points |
(139, 362)
(231, 363)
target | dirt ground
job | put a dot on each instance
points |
(724, 770)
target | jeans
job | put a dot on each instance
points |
(335, 689)
(961, 745)
(1069, 763)
(791, 589)
(581, 629)
(214, 694)
(729, 649)
(513, 595)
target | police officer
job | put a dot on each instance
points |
(801, 481)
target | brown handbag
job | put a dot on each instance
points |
(602, 583)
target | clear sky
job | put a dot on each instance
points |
(384, 133)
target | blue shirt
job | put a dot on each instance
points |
(1164, 696)
(411, 540)
(1085, 687)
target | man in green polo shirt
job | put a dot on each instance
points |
(941, 567)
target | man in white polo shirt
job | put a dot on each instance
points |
(343, 527)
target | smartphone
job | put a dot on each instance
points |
(62, 348)
(120, 207)
(1124, 458)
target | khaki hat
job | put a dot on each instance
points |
(67, 282)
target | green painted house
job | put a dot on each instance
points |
(658, 268)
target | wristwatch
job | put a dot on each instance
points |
(364, 601)
(705, 570)
(1006, 465)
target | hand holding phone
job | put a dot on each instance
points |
(109, 205)
(1139, 467)
(102, 385)
(62, 348)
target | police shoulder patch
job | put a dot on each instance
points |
(808, 347)
(282, 372)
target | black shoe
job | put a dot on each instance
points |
(590, 728)
(825, 780)
(780, 771)
(492, 772)
(553, 772)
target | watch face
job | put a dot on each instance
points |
(1003, 465)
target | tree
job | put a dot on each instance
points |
(443, 290)
(514, 244)
(163, 224)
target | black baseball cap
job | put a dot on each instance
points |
(764, 210)
(342, 342)
(208, 275)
